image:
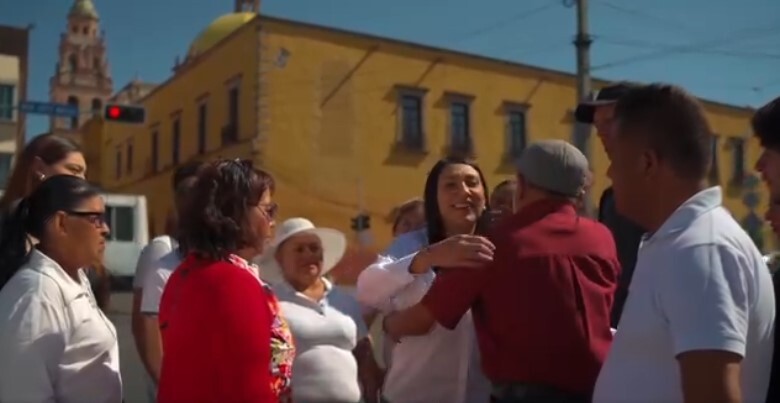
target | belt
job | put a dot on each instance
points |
(516, 392)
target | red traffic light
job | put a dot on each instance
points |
(125, 113)
(114, 112)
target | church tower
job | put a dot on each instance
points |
(82, 74)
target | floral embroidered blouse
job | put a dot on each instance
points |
(282, 345)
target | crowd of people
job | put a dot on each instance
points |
(505, 296)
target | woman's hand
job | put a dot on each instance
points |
(461, 251)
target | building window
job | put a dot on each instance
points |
(714, 175)
(129, 168)
(460, 127)
(155, 151)
(516, 130)
(175, 140)
(230, 131)
(118, 163)
(97, 107)
(6, 102)
(412, 121)
(121, 220)
(6, 161)
(202, 119)
(738, 160)
(73, 63)
(74, 121)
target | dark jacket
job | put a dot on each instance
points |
(627, 237)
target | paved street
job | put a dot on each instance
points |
(132, 369)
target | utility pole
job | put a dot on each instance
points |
(582, 42)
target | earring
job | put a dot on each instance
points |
(41, 176)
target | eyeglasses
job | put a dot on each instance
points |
(98, 219)
(270, 209)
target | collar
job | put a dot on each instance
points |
(540, 209)
(71, 289)
(696, 205)
(283, 287)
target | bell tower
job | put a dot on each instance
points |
(247, 6)
(82, 75)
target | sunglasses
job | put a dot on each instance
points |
(98, 219)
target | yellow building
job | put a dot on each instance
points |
(349, 122)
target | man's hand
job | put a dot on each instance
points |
(461, 251)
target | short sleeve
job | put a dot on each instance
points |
(704, 297)
(146, 261)
(31, 352)
(153, 289)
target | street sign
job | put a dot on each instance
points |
(48, 108)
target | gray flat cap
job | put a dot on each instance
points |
(555, 166)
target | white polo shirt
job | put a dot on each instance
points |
(325, 332)
(156, 278)
(153, 251)
(699, 284)
(55, 343)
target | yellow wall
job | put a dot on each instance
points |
(330, 123)
(206, 79)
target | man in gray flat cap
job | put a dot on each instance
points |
(542, 307)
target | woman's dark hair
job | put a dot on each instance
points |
(433, 217)
(29, 218)
(51, 149)
(213, 221)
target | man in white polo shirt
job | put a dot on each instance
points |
(698, 324)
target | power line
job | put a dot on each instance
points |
(647, 16)
(667, 46)
(500, 24)
(748, 33)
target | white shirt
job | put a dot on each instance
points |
(155, 281)
(699, 284)
(441, 366)
(55, 343)
(154, 250)
(325, 332)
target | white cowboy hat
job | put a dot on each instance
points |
(334, 244)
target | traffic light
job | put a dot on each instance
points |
(125, 114)
(361, 222)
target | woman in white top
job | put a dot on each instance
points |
(441, 366)
(55, 343)
(333, 358)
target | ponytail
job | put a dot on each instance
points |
(15, 244)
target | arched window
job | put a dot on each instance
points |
(96, 63)
(74, 122)
(97, 106)
(73, 63)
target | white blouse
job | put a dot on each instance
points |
(441, 366)
(55, 343)
(325, 332)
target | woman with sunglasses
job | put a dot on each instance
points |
(56, 345)
(223, 337)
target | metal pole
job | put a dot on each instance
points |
(582, 42)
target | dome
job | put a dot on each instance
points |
(216, 31)
(83, 8)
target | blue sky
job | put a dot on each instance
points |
(725, 50)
